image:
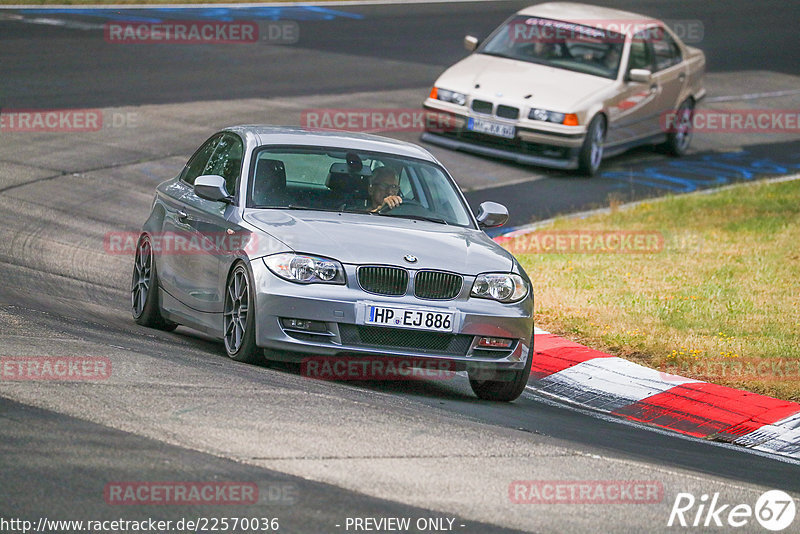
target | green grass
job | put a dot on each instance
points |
(724, 290)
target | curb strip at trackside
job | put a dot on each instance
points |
(572, 372)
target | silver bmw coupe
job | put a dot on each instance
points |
(293, 243)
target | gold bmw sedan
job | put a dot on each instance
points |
(563, 85)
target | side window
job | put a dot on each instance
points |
(226, 161)
(666, 50)
(640, 55)
(198, 161)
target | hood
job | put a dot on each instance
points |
(554, 89)
(374, 239)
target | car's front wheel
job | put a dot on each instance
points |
(591, 155)
(681, 135)
(503, 386)
(239, 316)
(144, 289)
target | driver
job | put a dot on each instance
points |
(384, 189)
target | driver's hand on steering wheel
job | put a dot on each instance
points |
(390, 202)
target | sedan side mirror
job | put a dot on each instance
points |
(492, 215)
(471, 43)
(212, 187)
(640, 75)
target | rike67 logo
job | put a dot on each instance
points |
(774, 510)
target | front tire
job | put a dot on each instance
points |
(507, 386)
(239, 316)
(679, 139)
(591, 155)
(145, 306)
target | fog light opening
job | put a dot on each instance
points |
(495, 343)
(304, 325)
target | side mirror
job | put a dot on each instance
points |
(212, 187)
(640, 75)
(471, 43)
(492, 215)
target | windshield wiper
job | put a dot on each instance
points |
(416, 217)
(297, 207)
(498, 54)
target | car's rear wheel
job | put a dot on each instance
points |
(591, 155)
(505, 386)
(239, 316)
(145, 306)
(680, 137)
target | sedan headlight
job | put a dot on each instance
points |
(449, 96)
(500, 286)
(538, 114)
(305, 269)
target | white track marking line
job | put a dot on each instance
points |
(752, 96)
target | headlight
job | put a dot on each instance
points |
(499, 286)
(305, 269)
(570, 119)
(449, 96)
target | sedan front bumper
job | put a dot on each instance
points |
(338, 312)
(530, 146)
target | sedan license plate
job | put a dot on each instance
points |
(491, 128)
(416, 319)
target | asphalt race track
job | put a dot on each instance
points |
(176, 409)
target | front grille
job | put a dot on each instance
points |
(508, 112)
(481, 106)
(437, 285)
(391, 281)
(397, 338)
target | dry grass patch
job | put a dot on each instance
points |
(720, 302)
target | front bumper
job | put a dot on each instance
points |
(342, 309)
(530, 146)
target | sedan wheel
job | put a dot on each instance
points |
(144, 289)
(239, 317)
(504, 386)
(679, 139)
(591, 154)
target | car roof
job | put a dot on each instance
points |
(265, 134)
(588, 15)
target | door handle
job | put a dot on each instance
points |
(654, 88)
(681, 77)
(182, 215)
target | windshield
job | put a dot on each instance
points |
(375, 184)
(558, 44)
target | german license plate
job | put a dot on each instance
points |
(491, 128)
(438, 321)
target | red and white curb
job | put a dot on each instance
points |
(579, 375)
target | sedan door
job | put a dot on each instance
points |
(635, 109)
(670, 73)
(214, 239)
(175, 273)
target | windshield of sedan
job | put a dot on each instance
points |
(331, 179)
(558, 44)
